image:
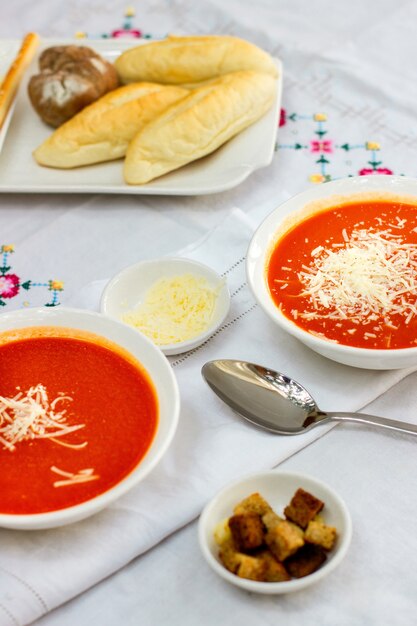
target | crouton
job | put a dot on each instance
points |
(306, 561)
(302, 508)
(275, 571)
(222, 532)
(320, 534)
(271, 519)
(254, 503)
(283, 539)
(242, 565)
(229, 556)
(252, 568)
(247, 531)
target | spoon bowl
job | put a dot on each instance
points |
(277, 403)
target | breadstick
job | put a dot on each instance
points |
(15, 73)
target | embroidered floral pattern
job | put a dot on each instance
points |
(372, 145)
(11, 284)
(318, 178)
(320, 117)
(323, 147)
(367, 171)
(126, 30)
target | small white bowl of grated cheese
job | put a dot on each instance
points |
(177, 302)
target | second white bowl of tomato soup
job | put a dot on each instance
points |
(88, 407)
(336, 266)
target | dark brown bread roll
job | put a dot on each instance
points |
(71, 77)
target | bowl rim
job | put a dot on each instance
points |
(295, 584)
(171, 349)
(312, 195)
(67, 515)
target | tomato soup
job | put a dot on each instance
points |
(349, 274)
(77, 414)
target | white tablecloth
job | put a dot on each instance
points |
(349, 101)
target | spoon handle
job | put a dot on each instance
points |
(383, 422)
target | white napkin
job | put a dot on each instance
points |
(212, 446)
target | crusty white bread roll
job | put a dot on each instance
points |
(103, 130)
(191, 60)
(198, 124)
(11, 81)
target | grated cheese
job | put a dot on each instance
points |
(31, 416)
(82, 476)
(175, 309)
(373, 274)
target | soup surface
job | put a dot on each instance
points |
(77, 414)
(349, 274)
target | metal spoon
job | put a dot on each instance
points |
(278, 403)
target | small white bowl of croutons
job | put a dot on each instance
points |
(275, 532)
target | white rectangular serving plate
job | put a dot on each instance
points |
(227, 167)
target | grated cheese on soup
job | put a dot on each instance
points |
(71, 478)
(370, 275)
(31, 415)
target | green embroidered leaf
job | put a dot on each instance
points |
(346, 147)
(2, 303)
(5, 269)
(26, 285)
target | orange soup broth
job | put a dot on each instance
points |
(293, 255)
(111, 395)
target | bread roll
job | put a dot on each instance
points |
(103, 130)
(191, 60)
(70, 78)
(11, 81)
(198, 124)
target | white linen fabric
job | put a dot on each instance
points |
(211, 446)
(351, 62)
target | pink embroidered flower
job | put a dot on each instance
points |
(321, 146)
(282, 117)
(367, 171)
(129, 33)
(9, 285)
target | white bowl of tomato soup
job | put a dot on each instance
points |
(88, 407)
(336, 267)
